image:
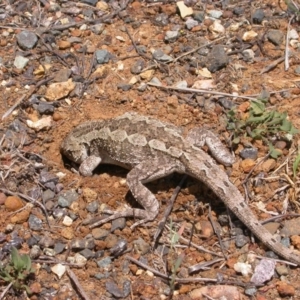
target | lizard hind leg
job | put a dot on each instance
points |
(200, 137)
(146, 171)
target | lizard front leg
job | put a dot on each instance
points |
(142, 173)
(200, 137)
(87, 167)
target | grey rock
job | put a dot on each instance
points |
(171, 36)
(248, 55)
(119, 248)
(249, 153)
(161, 20)
(59, 247)
(190, 23)
(26, 40)
(62, 75)
(275, 37)
(141, 246)
(90, 2)
(241, 240)
(102, 56)
(47, 195)
(47, 177)
(105, 262)
(87, 253)
(199, 16)
(119, 223)
(49, 252)
(238, 10)
(142, 87)
(46, 241)
(80, 244)
(88, 13)
(226, 102)
(98, 28)
(162, 250)
(271, 254)
(99, 253)
(92, 207)
(33, 240)
(53, 7)
(223, 219)
(50, 185)
(297, 70)
(161, 56)
(50, 205)
(286, 242)
(45, 108)
(114, 289)
(258, 16)
(67, 198)
(124, 87)
(251, 291)
(102, 275)
(217, 58)
(20, 62)
(155, 80)
(142, 49)
(35, 252)
(100, 234)
(182, 84)
(138, 66)
(291, 227)
(58, 213)
(216, 14)
(35, 223)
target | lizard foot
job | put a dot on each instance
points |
(144, 215)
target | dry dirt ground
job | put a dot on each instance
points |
(29, 154)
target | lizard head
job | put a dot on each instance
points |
(73, 149)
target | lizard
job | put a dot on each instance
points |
(152, 149)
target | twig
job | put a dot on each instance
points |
(245, 181)
(188, 242)
(190, 280)
(286, 54)
(217, 232)
(194, 50)
(278, 217)
(77, 283)
(36, 86)
(208, 297)
(6, 290)
(168, 210)
(276, 260)
(200, 91)
(135, 46)
(10, 110)
(272, 65)
(203, 265)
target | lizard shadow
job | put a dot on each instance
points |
(193, 195)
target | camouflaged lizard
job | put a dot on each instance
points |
(152, 149)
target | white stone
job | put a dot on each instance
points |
(59, 270)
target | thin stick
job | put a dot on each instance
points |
(77, 283)
(200, 91)
(6, 290)
(168, 210)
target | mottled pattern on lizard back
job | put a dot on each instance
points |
(117, 138)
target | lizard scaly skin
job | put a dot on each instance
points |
(152, 149)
